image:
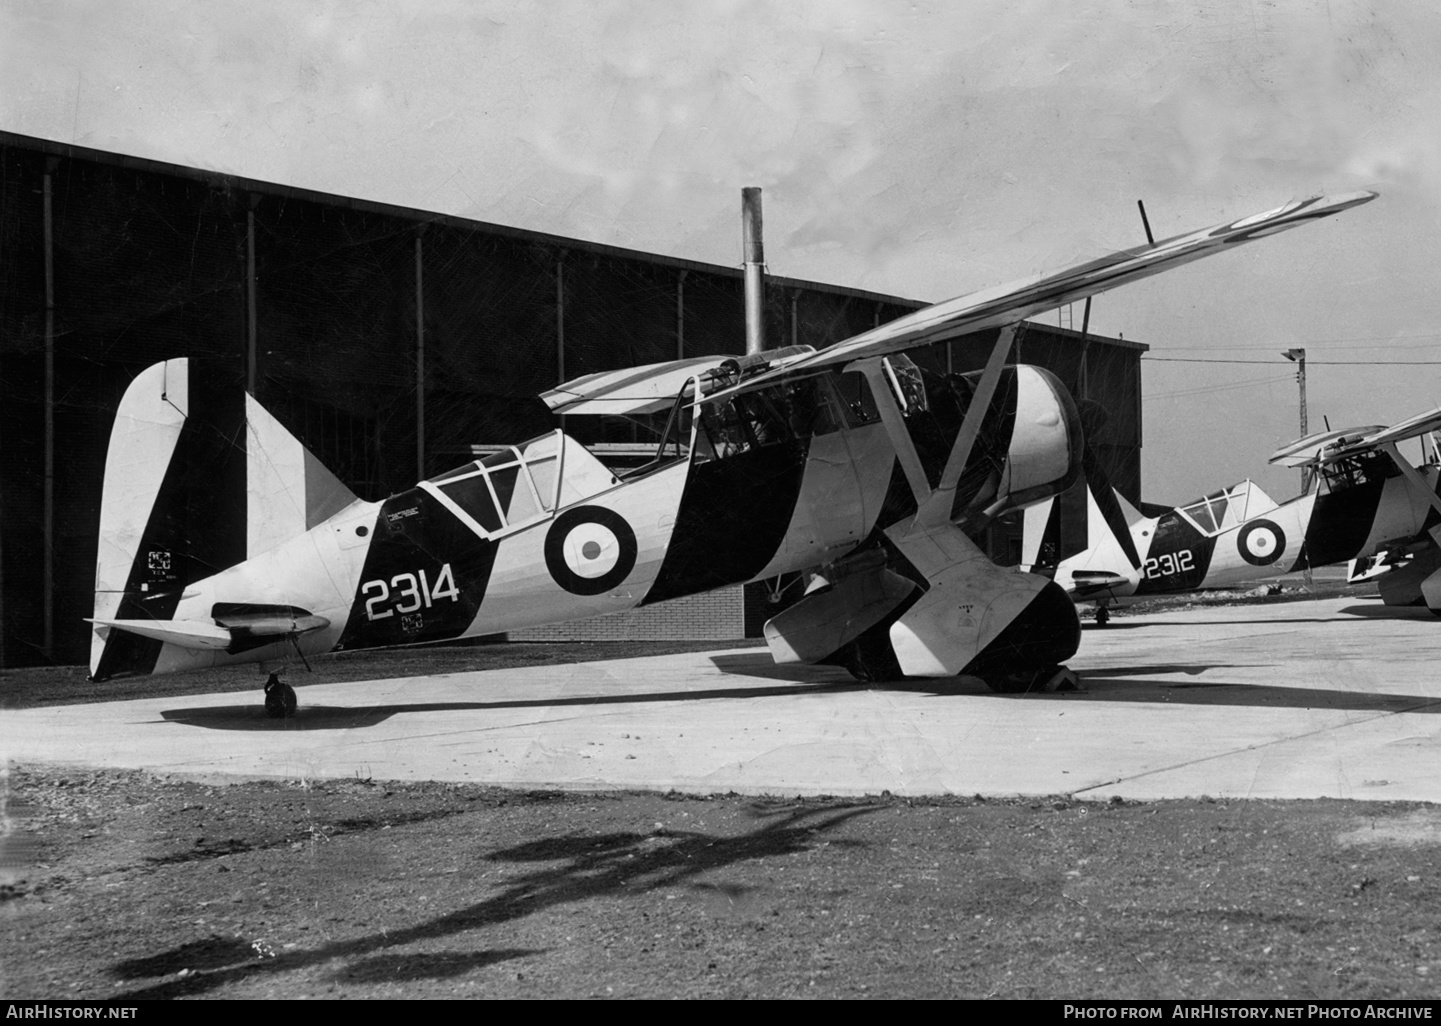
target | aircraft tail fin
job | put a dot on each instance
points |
(288, 490)
(1088, 515)
(198, 477)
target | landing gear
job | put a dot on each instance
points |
(871, 659)
(280, 700)
(1103, 616)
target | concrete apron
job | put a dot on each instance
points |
(1331, 698)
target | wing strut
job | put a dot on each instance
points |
(934, 505)
(1411, 474)
(895, 424)
(937, 509)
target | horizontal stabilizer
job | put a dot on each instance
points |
(1088, 582)
(195, 634)
(232, 632)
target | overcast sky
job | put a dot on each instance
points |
(924, 150)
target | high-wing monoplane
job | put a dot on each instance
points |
(1366, 504)
(222, 540)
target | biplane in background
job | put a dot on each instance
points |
(1399, 545)
(1366, 505)
(222, 540)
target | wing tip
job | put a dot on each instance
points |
(1345, 200)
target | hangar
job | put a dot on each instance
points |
(391, 341)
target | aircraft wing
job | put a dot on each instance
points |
(1007, 304)
(1412, 427)
(1329, 446)
(632, 390)
(653, 387)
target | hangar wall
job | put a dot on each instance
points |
(388, 340)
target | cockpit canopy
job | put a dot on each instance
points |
(1214, 513)
(520, 484)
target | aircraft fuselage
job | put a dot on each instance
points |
(770, 483)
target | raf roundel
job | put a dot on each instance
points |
(589, 550)
(1261, 542)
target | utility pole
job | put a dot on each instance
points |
(1298, 357)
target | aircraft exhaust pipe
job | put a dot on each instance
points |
(755, 260)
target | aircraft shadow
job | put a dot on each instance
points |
(1111, 684)
(1137, 684)
(1140, 671)
(609, 866)
(251, 716)
(1229, 623)
(1382, 612)
(760, 664)
(1097, 686)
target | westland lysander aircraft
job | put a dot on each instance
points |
(1366, 504)
(222, 540)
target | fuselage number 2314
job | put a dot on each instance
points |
(406, 593)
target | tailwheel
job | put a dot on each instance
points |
(280, 701)
(1103, 616)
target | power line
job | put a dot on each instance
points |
(1391, 339)
(1217, 388)
(1347, 343)
(1309, 363)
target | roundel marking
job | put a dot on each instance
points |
(1261, 542)
(589, 550)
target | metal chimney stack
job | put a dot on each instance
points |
(755, 260)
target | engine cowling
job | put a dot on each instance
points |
(1030, 447)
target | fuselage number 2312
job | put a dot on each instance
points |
(1168, 564)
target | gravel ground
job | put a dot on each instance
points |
(121, 885)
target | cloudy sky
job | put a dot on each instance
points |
(924, 150)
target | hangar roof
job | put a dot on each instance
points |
(237, 182)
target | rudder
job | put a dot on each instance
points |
(198, 477)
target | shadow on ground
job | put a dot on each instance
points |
(1116, 684)
(326, 717)
(606, 865)
(1382, 612)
